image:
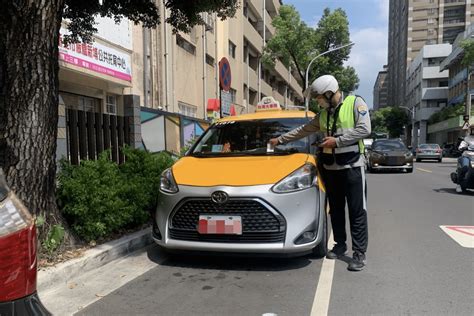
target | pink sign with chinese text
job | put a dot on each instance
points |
(96, 57)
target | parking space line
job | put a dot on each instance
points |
(421, 169)
(322, 296)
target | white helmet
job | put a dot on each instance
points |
(322, 85)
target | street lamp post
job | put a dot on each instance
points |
(306, 102)
(468, 95)
(412, 123)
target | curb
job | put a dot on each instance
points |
(92, 259)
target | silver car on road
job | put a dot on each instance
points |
(429, 152)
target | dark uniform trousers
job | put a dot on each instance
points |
(348, 184)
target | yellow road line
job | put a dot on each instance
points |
(429, 171)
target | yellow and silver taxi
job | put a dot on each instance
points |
(234, 193)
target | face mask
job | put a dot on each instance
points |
(324, 102)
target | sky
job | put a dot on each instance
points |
(368, 27)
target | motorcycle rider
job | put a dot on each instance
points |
(464, 161)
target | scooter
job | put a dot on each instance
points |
(464, 175)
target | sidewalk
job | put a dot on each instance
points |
(51, 277)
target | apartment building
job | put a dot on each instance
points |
(381, 90)
(450, 130)
(415, 23)
(180, 71)
(427, 88)
(458, 73)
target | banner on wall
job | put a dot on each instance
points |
(96, 57)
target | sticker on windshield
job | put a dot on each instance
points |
(217, 148)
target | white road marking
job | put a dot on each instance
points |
(323, 291)
(421, 169)
(463, 235)
(77, 293)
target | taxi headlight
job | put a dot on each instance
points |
(300, 179)
(167, 182)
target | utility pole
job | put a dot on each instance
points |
(468, 96)
(412, 112)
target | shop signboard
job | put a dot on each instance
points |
(96, 57)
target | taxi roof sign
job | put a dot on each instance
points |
(268, 104)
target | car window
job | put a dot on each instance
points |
(429, 146)
(388, 145)
(239, 138)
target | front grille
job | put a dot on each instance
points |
(259, 224)
(394, 161)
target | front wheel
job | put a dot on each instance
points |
(321, 249)
(410, 170)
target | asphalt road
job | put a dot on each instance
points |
(414, 267)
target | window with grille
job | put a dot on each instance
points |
(210, 60)
(184, 44)
(111, 104)
(232, 49)
(233, 95)
(187, 109)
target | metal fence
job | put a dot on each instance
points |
(89, 134)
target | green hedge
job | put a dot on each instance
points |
(100, 197)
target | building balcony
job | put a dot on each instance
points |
(461, 76)
(453, 3)
(253, 80)
(256, 6)
(433, 72)
(425, 113)
(268, 21)
(434, 93)
(253, 37)
(265, 88)
(273, 6)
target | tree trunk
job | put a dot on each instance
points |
(29, 85)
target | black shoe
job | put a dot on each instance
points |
(358, 262)
(337, 251)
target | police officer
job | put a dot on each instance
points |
(345, 124)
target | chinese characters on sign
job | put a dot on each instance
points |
(96, 57)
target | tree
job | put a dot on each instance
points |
(468, 47)
(29, 32)
(296, 44)
(389, 120)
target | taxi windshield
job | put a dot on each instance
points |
(250, 137)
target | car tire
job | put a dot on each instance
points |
(440, 160)
(410, 170)
(418, 160)
(321, 249)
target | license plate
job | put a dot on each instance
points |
(220, 224)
